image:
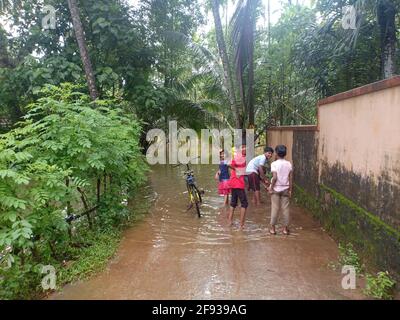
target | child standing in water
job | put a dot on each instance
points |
(281, 189)
(237, 184)
(223, 177)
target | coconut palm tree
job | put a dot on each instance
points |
(7, 5)
(243, 25)
(242, 32)
(227, 67)
(5, 61)
(385, 12)
(386, 16)
(80, 38)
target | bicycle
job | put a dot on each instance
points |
(194, 193)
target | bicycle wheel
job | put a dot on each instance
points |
(198, 209)
(197, 200)
(198, 193)
(190, 193)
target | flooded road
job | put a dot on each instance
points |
(172, 254)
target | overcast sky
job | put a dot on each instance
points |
(276, 6)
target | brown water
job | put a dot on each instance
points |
(172, 254)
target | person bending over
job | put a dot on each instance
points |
(255, 173)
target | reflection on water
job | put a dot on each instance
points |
(211, 228)
(173, 254)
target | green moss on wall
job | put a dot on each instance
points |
(377, 242)
(378, 223)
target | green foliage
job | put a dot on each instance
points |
(22, 281)
(49, 168)
(336, 59)
(303, 57)
(34, 57)
(285, 92)
(149, 61)
(349, 257)
(91, 258)
(19, 280)
(380, 286)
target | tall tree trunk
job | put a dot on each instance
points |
(244, 24)
(250, 92)
(5, 60)
(387, 23)
(80, 38)
(228, 80)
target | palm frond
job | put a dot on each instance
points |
(242, 27)
(207, 60)
(195, 114)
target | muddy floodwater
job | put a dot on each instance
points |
(173, 254)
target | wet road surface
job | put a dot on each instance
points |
(172, 254)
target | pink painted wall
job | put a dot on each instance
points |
(363, 134)
(285, 137)
(358, 153)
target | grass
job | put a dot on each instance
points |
(92, 259)
(380, 286)
(87, 255)
(348, 257)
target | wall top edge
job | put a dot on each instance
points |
(294, 128)
(369, 88)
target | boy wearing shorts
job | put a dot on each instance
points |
(237, 185)
(255, 173)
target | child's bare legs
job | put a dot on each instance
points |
(257, 198)
(230, 215)
(226, 199)
(241, 195)
(234, 200)
(242, 217)
(254, 200)
(275, 206)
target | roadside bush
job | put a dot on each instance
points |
(67, 156)
(349, 257)
(380, 286)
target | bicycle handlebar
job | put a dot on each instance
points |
(186, 164)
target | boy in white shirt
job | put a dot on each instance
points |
(281, 189)
(255, 173)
